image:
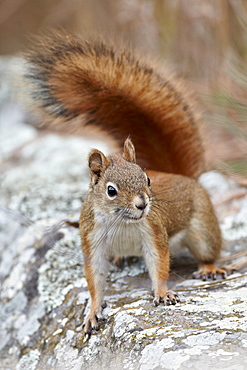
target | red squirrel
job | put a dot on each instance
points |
(129, 211)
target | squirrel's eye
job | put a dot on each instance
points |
(111, 191)
(149, 182)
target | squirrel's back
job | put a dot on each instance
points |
(88, 84)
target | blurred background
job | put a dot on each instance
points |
(204, 41)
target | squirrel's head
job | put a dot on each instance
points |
(118, 185)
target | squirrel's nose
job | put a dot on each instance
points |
(141, 207)
(140, 202)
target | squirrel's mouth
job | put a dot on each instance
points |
(129, 215)
(130, 218)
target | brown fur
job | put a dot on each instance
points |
(173, 205)
(77, 84)
(185, 205)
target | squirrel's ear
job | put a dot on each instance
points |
(97, 163)
(129, 151)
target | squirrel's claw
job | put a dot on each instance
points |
(86, 337)
(91, 323)
(230, 269)
(170, 298)
(209, 271)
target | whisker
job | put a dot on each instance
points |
(154, 198)
(119, 226)
(108, 229)
(16, 216)
(49, 234)
(161, 201)
(156, 208)
(164, 190)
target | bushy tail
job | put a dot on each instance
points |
(78, 83)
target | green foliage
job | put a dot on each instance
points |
(229, 106)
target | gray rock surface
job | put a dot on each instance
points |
(44, 293)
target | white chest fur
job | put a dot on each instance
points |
(117, 238)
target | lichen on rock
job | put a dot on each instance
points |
(44, 297)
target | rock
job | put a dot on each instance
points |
(44, 293)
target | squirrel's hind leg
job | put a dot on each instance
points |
(205, 245)
(203, 237)
(204, 242)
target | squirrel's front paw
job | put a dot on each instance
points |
(91, 323)
(170, 298)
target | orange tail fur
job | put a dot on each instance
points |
(78, 84)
